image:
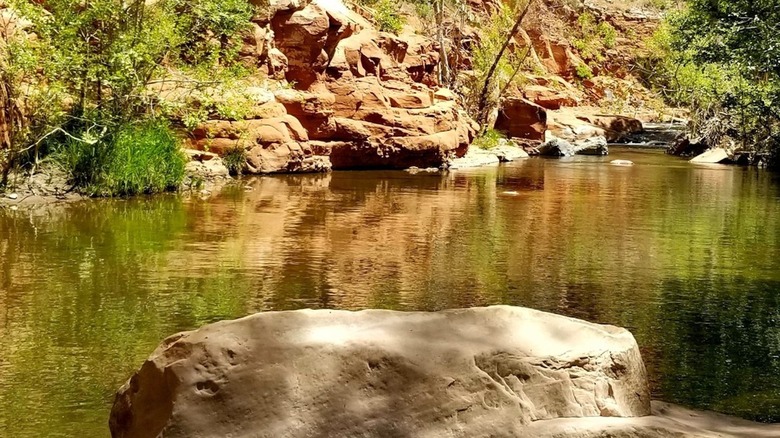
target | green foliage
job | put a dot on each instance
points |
(489, 139)
(493, 34)
(137, 159)
(607, 33)
(92, 65)
(235, 160)
(388, 18)
(28, 105)
(660, 5)
(212, 23)
(583, 71)
(722, 58)
(593, 37)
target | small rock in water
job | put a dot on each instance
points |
(12, 196)
(621, 163)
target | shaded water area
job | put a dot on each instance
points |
(687, 258)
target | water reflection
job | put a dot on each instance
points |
(687, 258)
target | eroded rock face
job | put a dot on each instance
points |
(475, 372)
(519, 117)
(360, 98)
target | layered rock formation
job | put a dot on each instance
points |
(359, 98)
(476, 372)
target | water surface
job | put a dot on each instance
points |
(686, 257)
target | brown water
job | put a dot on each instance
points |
(686, 257)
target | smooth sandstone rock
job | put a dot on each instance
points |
(466, 373)
(667, 421)
(475, 157)
(506, 152)
(712, 156)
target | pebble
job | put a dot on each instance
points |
(12, 196)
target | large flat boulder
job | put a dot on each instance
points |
(468, 373)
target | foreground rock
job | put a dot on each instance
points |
(470, 373)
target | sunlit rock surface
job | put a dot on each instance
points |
(477, 372)
(667, 421)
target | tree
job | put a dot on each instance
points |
(482, 106)
(100, 56)
(725, 63)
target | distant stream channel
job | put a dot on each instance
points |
(686, 257)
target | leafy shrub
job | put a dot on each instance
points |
(387, 17)
(594, 37)
(235, 160)
(583, 71)
(138, 158)
(489, 140)
(607, 33)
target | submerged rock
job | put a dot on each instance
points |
(712, 156)
(475, 372)
(667, 421)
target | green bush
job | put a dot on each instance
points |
(490, 139)
(608, 34)
(387, 17)
(235, 160)
(583, 71)
(140, 158)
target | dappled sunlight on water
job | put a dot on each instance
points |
(686, 257)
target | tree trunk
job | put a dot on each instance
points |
(482, 112)
(444, 65)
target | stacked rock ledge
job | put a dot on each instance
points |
(359, 98)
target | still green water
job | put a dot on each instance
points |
(686, 257)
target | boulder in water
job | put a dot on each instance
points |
(465, 373)
(712, 156)
(557, 147)
(592, 146)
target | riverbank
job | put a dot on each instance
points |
(205, 175)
